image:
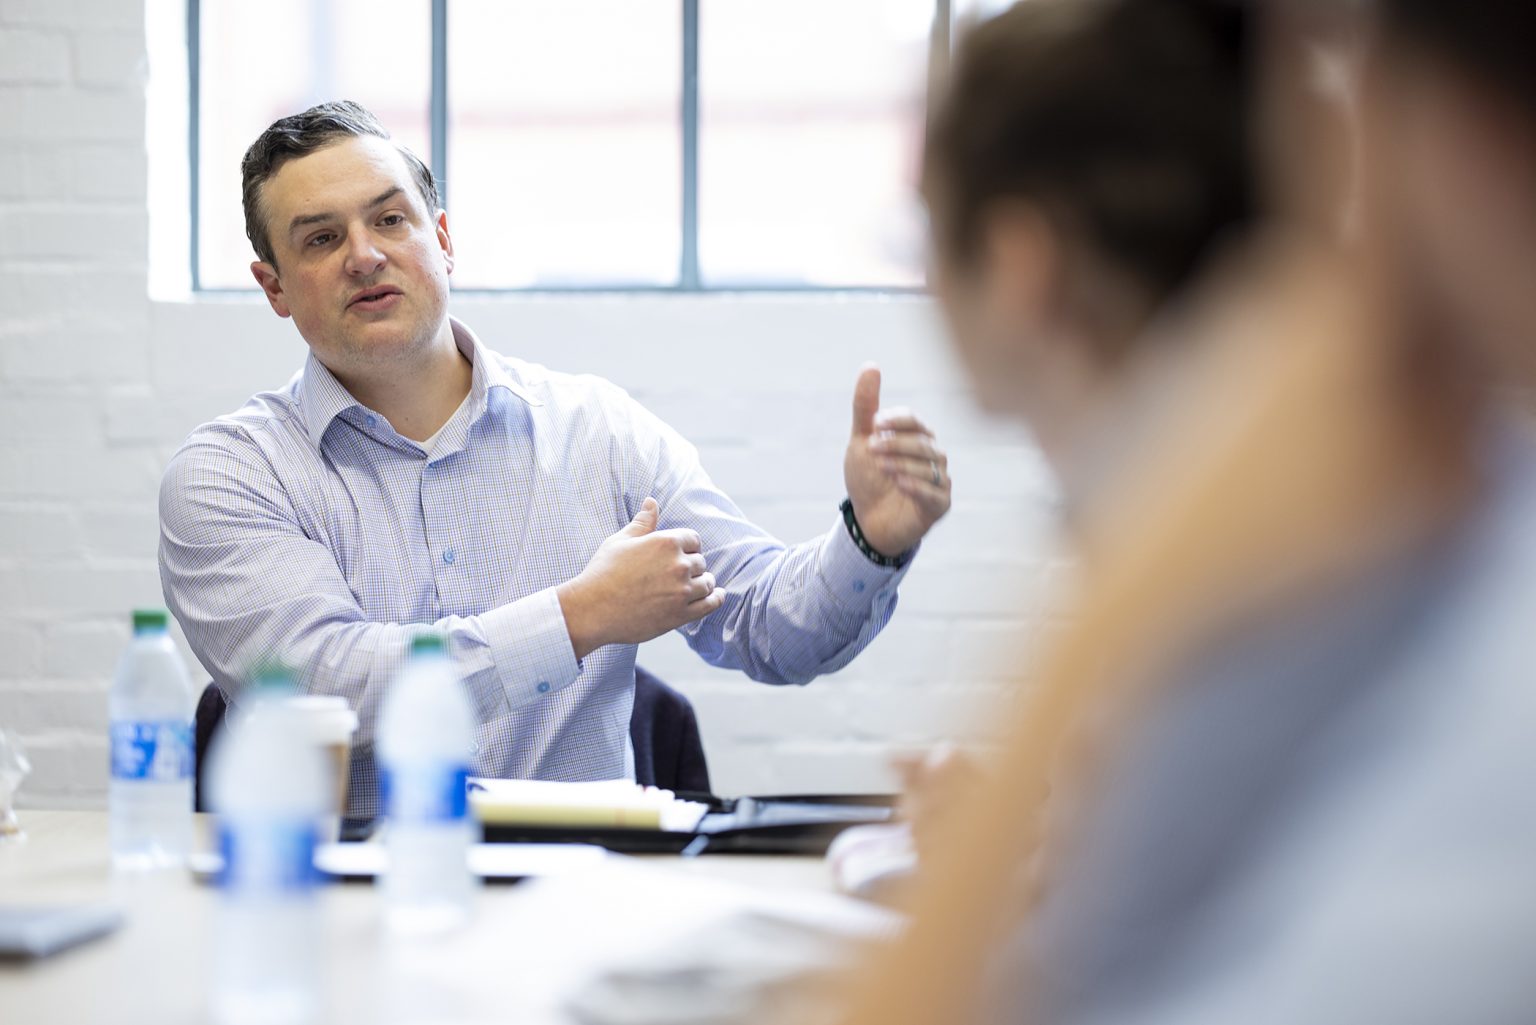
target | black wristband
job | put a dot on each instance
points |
(857, 533)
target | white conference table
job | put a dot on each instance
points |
(528, 948)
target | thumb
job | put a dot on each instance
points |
(866, 400)
(644, 521)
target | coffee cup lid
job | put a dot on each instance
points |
(328, 718)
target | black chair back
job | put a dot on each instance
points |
(669, 750)
(207, 721)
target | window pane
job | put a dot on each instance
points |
(564, 162)
(810, 130)
(967, 12)
(262, 61)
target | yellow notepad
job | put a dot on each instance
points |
(605, 804)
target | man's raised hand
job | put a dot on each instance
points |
(895, 471)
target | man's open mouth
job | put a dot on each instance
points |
(375, 298)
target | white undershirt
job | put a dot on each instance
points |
(427, 445)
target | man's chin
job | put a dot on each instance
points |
(385, 336)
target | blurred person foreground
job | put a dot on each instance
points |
(1282, 750)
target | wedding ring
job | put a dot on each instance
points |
(933, 467)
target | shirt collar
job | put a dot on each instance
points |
(489, 372)
(323, 398)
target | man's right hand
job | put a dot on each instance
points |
(640, 583)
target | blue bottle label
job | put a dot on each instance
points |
(269, 855)
(434, 793)
(157, 750)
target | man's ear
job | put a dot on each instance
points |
(445, 240)
(1022, 255)
(266, 276)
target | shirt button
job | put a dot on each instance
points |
(543, 687)
(474, 747)
(448, 556)
(858, 587)
(373, 421)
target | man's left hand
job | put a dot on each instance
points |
(896, 474)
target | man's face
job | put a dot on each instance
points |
(970, 316)
(362, 264)
(992, 304)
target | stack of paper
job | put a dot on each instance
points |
(605, 804)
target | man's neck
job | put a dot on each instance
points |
(1073, 408)
(1081, 446)
(419, 399)
(1101, 428)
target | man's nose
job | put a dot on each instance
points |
(364, 257)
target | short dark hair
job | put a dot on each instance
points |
(1126, 120)
(299, 135)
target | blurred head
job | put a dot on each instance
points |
(1449, 130)
(350, 238)
(1085, 160)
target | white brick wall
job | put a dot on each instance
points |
(98, 385)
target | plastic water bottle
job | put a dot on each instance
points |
(425, 732)
(268, 783)
(150, 709)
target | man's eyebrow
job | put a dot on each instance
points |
(381, 198)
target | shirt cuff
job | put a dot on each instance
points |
(531, 648)
(850, 578)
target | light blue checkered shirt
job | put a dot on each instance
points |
(303, 527)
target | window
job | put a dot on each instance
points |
(598, 144)
(565, 142)
(810, 125)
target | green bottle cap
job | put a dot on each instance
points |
(274, 678)
(150, 621)
(429, 643)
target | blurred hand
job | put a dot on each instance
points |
(640, 583)
(895, 472)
